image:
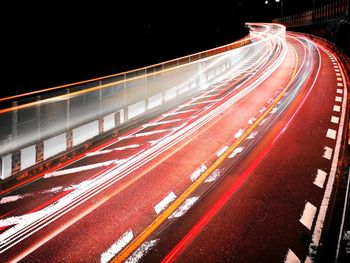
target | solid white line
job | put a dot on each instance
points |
(340, 91)
(221, 151)
(335, 119)
(339, 84)
(181, 210)
(327, 152)
(117, 246)
(336, 108)
(320, 178)
(331, 134)
(165, 202)
(329, 187)
(308, 215)
(141, 251)
(343, 218)
(338, 99)
(291, 257)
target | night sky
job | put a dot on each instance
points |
(46, 45)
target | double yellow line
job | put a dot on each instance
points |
(136, 242)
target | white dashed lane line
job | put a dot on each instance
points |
(165, 202)
(320, 178)
(339, 91)
(335, 119)
(117, 246)
(327, 152)
(331, 134)
(338, 99)
(181, 210)
(308, 215)
(336, 108)
(291, 257)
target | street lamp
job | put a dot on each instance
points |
(277, 1)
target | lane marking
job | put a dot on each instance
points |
(291, 257)
(336, 66)
(117, 246)
(331, 134)
(274, 110)
(327, 153)
(338, 99)
(339, 84)
(11, 198)
(339, 79)
(215, 175)
(262, 110)
(165, 202)
(340, 91)
(239, 133)
(335, 119)
(337, 70)
(338, 74)
(329, 186)
(141, 251)
(308, 215)
(182, 209)
(251, 120)
(336, 108)
(235, 152)
(198, 172)
(320, 178)
(221, 151)
(252, 135)
(80, 168)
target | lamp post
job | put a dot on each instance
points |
(277, 1)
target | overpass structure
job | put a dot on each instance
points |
(232, 154)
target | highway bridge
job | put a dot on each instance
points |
(233, 154)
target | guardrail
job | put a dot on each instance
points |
(334, 11)
(41, 125)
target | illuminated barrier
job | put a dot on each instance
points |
(47, 124)
(333, 11)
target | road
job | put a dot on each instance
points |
(244, 171)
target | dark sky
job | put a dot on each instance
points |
(51, 44)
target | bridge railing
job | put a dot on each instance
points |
(333, 11)
(42, 125)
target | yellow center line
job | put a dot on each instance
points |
(136, 242)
